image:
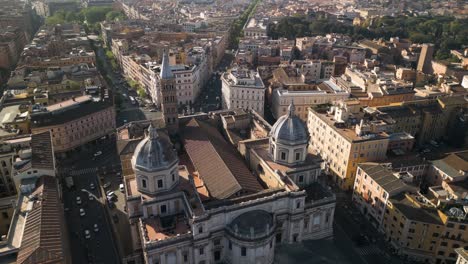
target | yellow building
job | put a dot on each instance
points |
(420, 230)
(426, 120)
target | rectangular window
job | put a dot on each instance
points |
(160, 183)
(243, 251)
(301, 178)
(143, 183)
(201, 250)
(298, 156)
(163, 209)
(283, 155)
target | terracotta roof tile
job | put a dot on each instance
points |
(43, 232)
(220, 165)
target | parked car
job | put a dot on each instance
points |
(82, 212)
(92, 187)
(96, 228)
(99, 153)
(107, 185)
(87, 234)
(121, 187)
(90, 197)
(78, 200)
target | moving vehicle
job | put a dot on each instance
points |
(82, 212)
(91, 186)
(132, 100)
(78, 200)
(99, 153)
(87, 234)
(96, 228)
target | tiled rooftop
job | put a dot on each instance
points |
(161, 228)
(42, 153)
(217, 162)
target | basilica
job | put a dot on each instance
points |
(228, 189)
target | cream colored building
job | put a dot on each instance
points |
(324, 93)
(206, 205)
(342, 143)
(243, 88)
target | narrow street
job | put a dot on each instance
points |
(83, 167)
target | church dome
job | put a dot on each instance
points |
(154, 153)
(289, 129)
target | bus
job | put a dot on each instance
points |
(132, 100)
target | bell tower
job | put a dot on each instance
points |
(168, 96)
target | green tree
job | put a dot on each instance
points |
(115, 15)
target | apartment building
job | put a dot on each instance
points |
(243, 88)
(375, 87)
(314, 71)
(375, 183)
(462, 255)
(187, 80)
(344, 139)
(430, 119)
(325, 93)
(74, 122)
(7, 186)
(422, 231)
(12, 41)
(425, 224)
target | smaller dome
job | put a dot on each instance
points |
(154, 152)
(289, 129)
(257, 221)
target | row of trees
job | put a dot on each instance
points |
(91, 16)
(445, 32)
(238, 25)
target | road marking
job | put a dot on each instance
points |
(83, 171)
(368, 250)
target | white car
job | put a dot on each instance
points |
(121, 187)
(91, 186)
(111, 194)
(82, 212)
(87, 234)
(99, 153)
(78, 200)
(96, 228)
(90, 197)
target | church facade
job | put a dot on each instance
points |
(203, 202)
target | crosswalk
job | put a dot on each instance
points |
(83, 171)
(368, 250)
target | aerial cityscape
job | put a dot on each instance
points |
(234, 132)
